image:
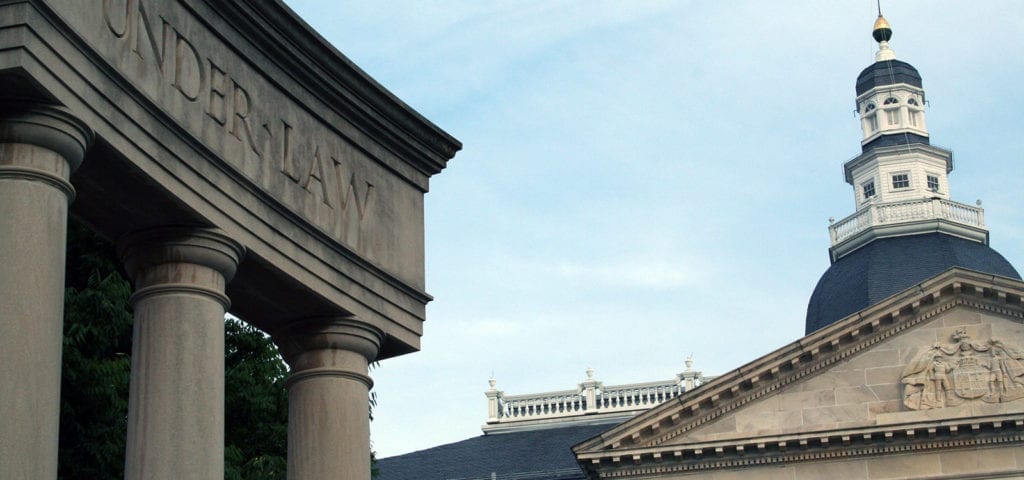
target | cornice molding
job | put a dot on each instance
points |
(833, 445)
(326, 72)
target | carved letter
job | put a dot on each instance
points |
(218, 108)
(158, 50)
(188, 70)
(349, 193)
(316, 170)
(285, 163)
(241, 116)
(123, 20)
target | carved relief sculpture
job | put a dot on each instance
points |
(964, 372)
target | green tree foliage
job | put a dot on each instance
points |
(94, 388)
(97, 361)
(256, 417)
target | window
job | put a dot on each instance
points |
(870, 118)
(933, 183)
(900, 180)
(869, 190)
(914, 112)
(892, 111)
(892, 116)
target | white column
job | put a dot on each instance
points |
(176, 394)
(328, 391)
(39, 148)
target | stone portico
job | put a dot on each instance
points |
(241, 164)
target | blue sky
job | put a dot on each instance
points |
(642, 181)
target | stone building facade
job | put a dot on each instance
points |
(241, 164)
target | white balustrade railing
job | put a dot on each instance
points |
(549, 404)
(590, 397)
(878, 214)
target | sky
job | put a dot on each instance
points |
(642, 181)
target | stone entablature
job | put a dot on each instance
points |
(249, 121)
(836, 395)
(591, 401)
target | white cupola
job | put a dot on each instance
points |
(905, 229)
(900, 181)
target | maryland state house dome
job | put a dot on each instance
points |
(905, 229)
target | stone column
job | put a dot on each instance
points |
(176, 394)
(39, 148)
(328, 390)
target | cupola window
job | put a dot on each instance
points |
(870, 119)
(892, 116)
(869, 189)
(892, 111)
(900, 180)
(914, 112)
(933, 183)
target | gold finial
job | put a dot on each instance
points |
(881, 23)
(882, 31)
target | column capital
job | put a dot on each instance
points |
(48, 126)
(329, 346)
(188, 259)
(328, 333)
(209, 247)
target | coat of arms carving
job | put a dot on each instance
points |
(948, 375)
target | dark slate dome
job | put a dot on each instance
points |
(887, 72)
(889, 265)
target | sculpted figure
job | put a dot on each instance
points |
(963, 372)
(940, 381)
(1006, 374)
(926, 380)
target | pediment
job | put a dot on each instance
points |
(919, 366)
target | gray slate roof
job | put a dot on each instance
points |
(887, 72)
(525, 455)
(887, 266)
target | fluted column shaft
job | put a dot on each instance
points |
(328, 390)
(176, 394)
(39, 148)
